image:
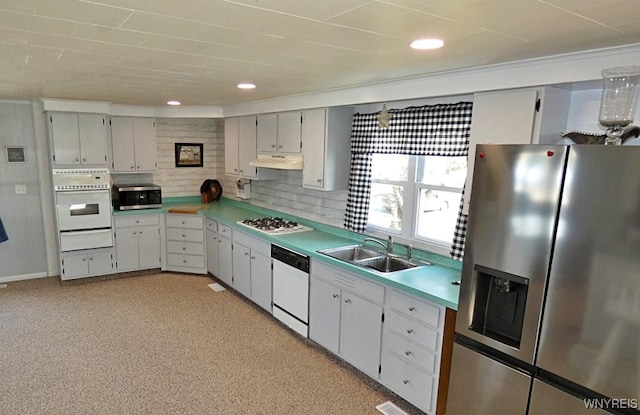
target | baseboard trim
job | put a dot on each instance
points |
(23, 277)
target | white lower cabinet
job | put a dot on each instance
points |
(185, 244)
(413, 349)
(86, 263)
(251, 269)
(212, 246)
(345, 316)
(137, 242)
(225, 254)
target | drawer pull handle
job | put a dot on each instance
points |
(408, 353)
(409, 331)
(412, 308)
(406, 381)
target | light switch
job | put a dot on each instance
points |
(21, 189)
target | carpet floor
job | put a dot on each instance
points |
(163, 343)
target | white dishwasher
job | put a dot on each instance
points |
(291, 289)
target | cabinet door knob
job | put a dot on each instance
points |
(84, 159)
(336, 295)
(273, 146)
(319, 180)
(347, 301)
(246, 254)
(134, 232)
(409, 331)
(412, 308)
(184, 248)
(132, 167)
(140, 232)
(280, 146)
(406, 381)
(407, 353)
(138, 167)
(77, 159)
(253, 257)
(84, 259)
(90, 258)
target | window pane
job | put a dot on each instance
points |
(385, 208)
(437, 214)
(390, 167)
(442, 171)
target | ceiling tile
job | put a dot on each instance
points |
(37, 24)
(87, 12)
(319, 10)
(163, 7)
(109, 34)
(165, 25)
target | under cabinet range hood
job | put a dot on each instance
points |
(280, 162)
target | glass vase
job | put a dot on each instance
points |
(618, 101)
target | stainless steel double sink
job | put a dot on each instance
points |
(370, 258)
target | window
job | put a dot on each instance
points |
(417, 198)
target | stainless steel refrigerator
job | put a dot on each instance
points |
(549, 313)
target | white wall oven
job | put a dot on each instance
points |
(83, 208)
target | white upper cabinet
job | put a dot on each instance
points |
(267, 133)
(240, 147)
(521, 116)
(135, 145)
(279, 133)
(78, 139)
(326, 148)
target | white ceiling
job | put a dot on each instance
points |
(145, 52)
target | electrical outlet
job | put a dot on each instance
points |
(21, 189)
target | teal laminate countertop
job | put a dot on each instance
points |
(431, 282)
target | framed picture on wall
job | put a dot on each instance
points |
(15, 154)
(188, 155)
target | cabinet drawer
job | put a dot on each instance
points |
(191, 261)
(411, 352)
(423, 335)
(212, 225)
(187, 235)
(225, 231)
(141, 220)
(256, 245)
(191, 248)
(184, 221)
(409, 382)
(349, 282)
(416, 308)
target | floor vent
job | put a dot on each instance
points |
(388, 408)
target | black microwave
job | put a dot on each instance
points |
(131, 197)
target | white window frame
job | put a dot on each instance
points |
(409, 232)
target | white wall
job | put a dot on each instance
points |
(24, 254)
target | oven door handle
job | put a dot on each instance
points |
(82, 192)
(87, 232)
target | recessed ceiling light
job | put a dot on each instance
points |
(427, 44)
(246, 86)
(173, 102)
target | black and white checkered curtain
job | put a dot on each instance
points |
(430, 130)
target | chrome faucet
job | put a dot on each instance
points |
(374, 240)
(409, 250)
(388, 246)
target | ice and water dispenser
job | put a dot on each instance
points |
(499, 305)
